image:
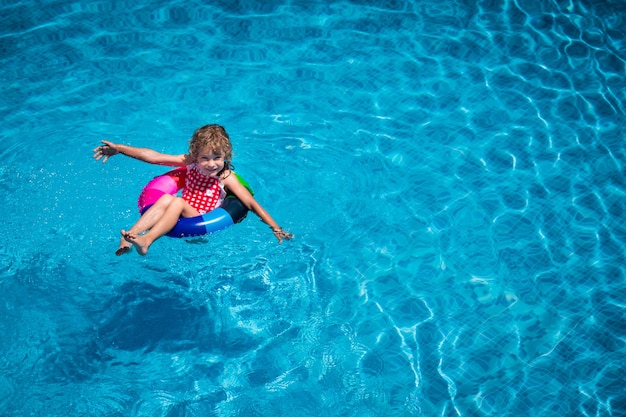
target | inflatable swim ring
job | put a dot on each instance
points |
(230, 212)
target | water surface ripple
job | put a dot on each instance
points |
(453, 172)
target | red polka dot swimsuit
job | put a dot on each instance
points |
(201, 192)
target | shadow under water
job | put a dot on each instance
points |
(142, 318)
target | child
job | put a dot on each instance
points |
(208, 167)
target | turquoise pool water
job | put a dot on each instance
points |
(453, 172)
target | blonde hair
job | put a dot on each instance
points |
(213, 137)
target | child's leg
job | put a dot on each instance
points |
(177, 208)
(146, 221)
(151, 216)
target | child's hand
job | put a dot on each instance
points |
(281, 234)
(106, 150)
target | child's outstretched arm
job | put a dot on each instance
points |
(108, 149)
(233, 184)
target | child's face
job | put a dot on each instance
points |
(210, 161)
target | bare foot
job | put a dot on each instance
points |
(139, 242)
(124, 248)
